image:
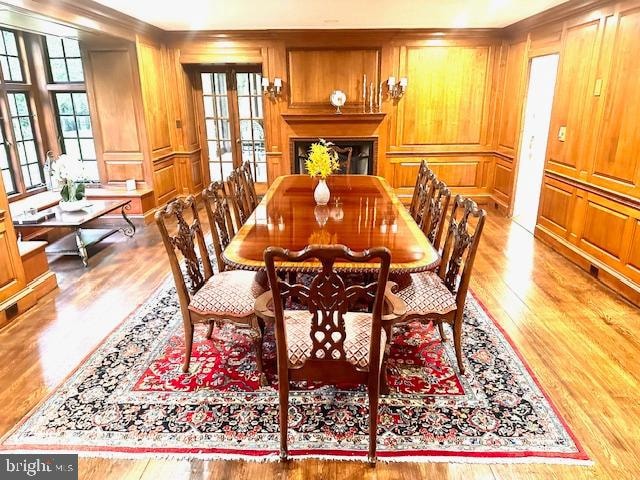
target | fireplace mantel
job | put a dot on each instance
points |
(334, 117)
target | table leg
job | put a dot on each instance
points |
(130, 229)
(82, 249)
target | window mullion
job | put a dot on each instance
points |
(10, 140)
(234, 122)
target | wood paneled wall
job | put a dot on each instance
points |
(142, 109)
(462, 111)
(314, 73)
(116, 111)
(447, 114)
(590, 199)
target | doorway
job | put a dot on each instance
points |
(233, 120)
(533, 143)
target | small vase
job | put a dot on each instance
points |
(322, 194)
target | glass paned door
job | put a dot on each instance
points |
(251, 120)
(217, 124)
(233, 121)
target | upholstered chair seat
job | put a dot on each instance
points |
(427, 294)
(357, 341)
(231, 293)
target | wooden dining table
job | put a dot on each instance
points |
(363, 212)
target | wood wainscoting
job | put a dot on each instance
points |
(596, 228)
(465, 174)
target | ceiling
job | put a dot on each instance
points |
(328, 14)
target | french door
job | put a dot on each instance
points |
(234, 120)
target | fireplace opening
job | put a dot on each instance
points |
(360, 160)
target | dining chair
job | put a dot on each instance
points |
(424, 194)
(328, 341)
(252, 195)
(218, 211)
(228, 296)
(239, 197)
(433, 219)
(420, 179)
(345, 166)
(440, 297)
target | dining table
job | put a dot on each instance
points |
(363, 212)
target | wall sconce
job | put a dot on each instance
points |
(396, 90)
(272, 90)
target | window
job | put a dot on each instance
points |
(251, 123)
(71, 104)
(30, 166)
(217, 124)
(10, 58)
(21, 154)
(64, 60)
(75, 127)
(25, 136)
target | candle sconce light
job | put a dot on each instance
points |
(274, 89)
(397, 90)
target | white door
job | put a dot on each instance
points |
(533, 146)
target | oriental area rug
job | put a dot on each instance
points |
(130, 399)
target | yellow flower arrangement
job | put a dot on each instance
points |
(322, 160)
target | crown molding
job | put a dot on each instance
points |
(88, 16)
(554, 14)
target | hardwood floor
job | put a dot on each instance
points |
(579, 337)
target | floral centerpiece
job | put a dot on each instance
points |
(322, 162)
(68, 173)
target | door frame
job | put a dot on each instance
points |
(230, 70)
(526, 76)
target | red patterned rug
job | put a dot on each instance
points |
(129, 398)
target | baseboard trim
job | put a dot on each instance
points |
(604, 273)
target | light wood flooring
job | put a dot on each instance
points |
(579, 337)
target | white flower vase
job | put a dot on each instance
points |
(322, 194)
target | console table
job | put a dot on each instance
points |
(83, 235)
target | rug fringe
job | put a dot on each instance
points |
(274, 457)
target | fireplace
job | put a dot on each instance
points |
(363, 154)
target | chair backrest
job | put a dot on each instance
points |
(434, 218)
(184, 239)
(460, 246)
(219, 215)
(424, 191)
(422, 172)
(328, 299)
(238, 195)
(252, 195)
(345, 166)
